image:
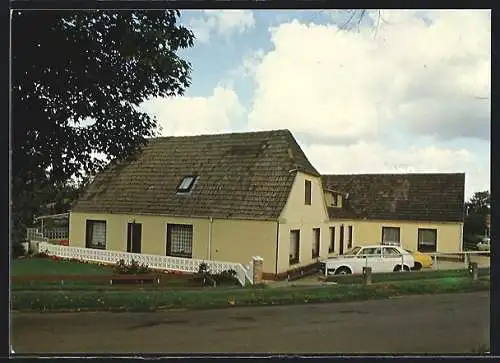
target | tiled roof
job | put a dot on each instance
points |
(240, 175)
(419, 197)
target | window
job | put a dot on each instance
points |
(349, 237)
(316, 242)
(391, 252)
(307, 186)
(180, 240)
(427, 240)
(95, 234)
(371, 252)
(186, 184)
(331, 248)
(294, 246)
(390, 236)
(353, 252)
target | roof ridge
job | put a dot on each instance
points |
(223, 134)
(390, 174)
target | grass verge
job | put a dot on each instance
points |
(45, 266)
(219, 298)
(406, 276)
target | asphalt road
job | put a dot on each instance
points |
(418, 324)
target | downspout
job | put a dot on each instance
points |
(277, 244)
(210, 221)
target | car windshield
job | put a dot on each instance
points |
(353, 251)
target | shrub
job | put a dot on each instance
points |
(226, 277)
(134, 268)
(18, 250)
(206, 278)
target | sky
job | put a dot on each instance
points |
(406, 91)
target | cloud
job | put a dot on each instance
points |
(196, 115)
(372, 157)
(221, 22)
(427, 75)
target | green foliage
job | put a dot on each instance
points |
(77, 82)
(224, 297)
(18, 250)
(475, 224)
(134, 268)
(206, 278)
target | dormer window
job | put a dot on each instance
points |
(186, 184)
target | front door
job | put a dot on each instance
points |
(341, 240)
(134, 236)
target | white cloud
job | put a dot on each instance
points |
(371, 157)
(221, 22)
(196, 115)
(428, 79)
(421, 74)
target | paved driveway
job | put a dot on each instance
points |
(417, 324)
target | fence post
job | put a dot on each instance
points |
(473, 270)
(257, 270)
(367, 275)
(466, 259)
(435, 262)
(402, 262)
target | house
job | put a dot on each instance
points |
(223, 197)
(229, 197)
(423, 212)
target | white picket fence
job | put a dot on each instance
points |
(189, 265)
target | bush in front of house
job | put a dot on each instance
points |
(205, 278)
(18, 250)
(133, 268)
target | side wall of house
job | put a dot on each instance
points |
(231, 240)
(296, 215)
(449, 234)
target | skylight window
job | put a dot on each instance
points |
(186, 184)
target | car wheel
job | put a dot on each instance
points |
(397, 268)
(418, 266)
(343, 271)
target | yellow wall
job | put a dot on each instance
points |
(232, 240)
(449, 234)
(298, 215)
(239, 240)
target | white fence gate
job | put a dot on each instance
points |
(243, 273)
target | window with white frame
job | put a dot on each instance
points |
(391, 236)
(95, 236)
(180, 240)
(186, 184)
(427, 240)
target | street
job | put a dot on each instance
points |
(455, 323)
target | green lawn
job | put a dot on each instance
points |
(45, 266)
(227, 297)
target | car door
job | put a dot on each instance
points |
(372, 257)
(391, 257)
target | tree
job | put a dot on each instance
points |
(77, 81)
(476, 209)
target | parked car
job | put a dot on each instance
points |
(379, 258)
(484, 245)
(421, 259)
